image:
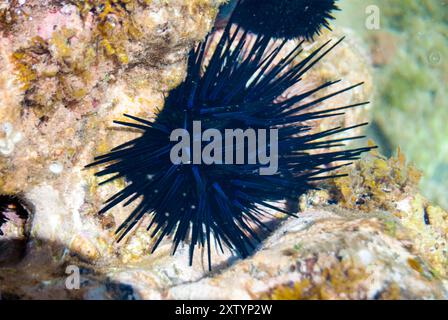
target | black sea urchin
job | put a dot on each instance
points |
(236, 88)
(285, 18)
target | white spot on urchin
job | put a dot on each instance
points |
(22, 2)
(56, 168)
(8, 143)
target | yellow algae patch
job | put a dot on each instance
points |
(338, 282)
(375, 183)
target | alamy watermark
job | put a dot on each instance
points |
(250, 146)
(73, 280)
(373, 19)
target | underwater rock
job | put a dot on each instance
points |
(338, 248)
(391, 185)
(325, 255)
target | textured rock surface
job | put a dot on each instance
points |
(325, 254)
(67, 70)
(391, 185)
(390, 245)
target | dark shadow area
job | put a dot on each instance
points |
(376, 132)
(35, 275)
(15, 219)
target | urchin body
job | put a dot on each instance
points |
(285, 18)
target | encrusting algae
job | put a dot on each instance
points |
(340, 281)
(115, 24)
(8, 16)
(97, 40)
(375, 182)
(59, 69)
(50, 74)
(391, 185)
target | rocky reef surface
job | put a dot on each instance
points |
(69, 68)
